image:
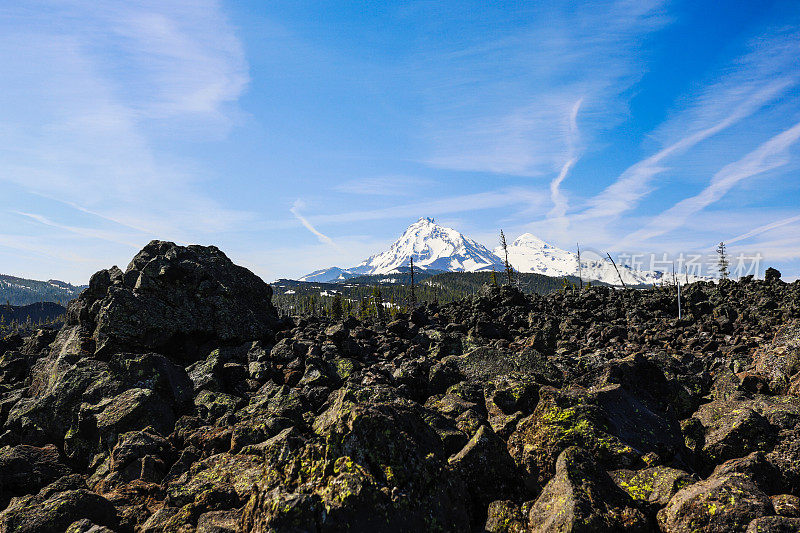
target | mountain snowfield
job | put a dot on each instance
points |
(436, 247)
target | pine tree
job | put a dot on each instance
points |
(377, 300)
(363, 309)
(493, 277)
(337, 307)
(509, 268)
(722, 261)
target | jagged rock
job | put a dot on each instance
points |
(772, 274)
(26, 469)
(279, 510)
(582, 498)
(757, 468)
(780, 360)
(785, 457)
(87, 526)
(732, 429)
(774, 524)
(786, 505)
(39, 342)
(219, 522)
(486, 467)
(56, 507)
(726, 502)
(655, 485)
(144, 455)
(69, 397)
(504, 516)
(171, 299)
(562, 419)
(13, 367)
(164, 519)
(222, 481)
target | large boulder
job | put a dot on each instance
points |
(774, 524)
(564, 418)
(487, 468)
(374, 464)
(26, 469)
(56, 507)
(88, 402)
(732, 429)
(721, 503)
(779, 360)
(171, 299)
(654, 486)
(582, 498)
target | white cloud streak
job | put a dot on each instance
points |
(769, 156)
(110, 236)
(295, 210)
(763, 229)
(98, 86)
(505, 113)
(635, 182)
(747, 85)
(558, 198)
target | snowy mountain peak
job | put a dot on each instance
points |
(431, 246)
(441, 248)
(532, 241)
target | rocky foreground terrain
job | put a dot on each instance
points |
(175, 399)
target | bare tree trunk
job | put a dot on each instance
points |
(615, 268)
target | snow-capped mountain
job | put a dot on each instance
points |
(432, 246)
(439, 248)
(531, 254)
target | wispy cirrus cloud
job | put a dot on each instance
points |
(509, 111)
(295, 210)
(747, 85)
(764, 228)
(770, 155)
(557, 196)
(110, 236)
(98, 87)
(635, 182)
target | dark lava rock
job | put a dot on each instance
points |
(582, 498)
(779, 361)
(26, 469)
(727, 502)
(774, 524)
(174, 399)
(171, 299)
(56, 507)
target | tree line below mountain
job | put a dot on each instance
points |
(370, 295)
(26, 318)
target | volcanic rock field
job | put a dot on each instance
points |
(176, 399)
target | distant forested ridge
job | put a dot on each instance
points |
(358, 294)
(20, 291)
(29, 317)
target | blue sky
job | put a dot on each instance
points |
(297, 135)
